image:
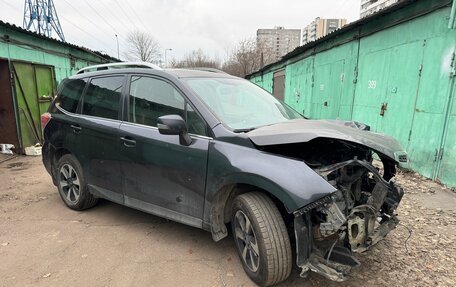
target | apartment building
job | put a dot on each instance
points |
(320, 28)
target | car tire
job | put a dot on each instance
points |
(261, 238)
(71, 184)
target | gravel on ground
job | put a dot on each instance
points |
(43, 243)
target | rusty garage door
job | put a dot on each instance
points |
(279, 85)
(34, 86)
(8, 129)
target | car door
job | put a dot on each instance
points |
(96, 130)
(160, 175)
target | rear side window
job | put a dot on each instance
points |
(102, 98)
(70, 94)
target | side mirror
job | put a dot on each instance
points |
(174, 125)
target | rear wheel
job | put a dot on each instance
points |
(71, 184)
(261, 238)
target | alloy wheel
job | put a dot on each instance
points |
(247, 241)
(69, 183)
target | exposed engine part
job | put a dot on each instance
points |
(360, 225)
(364, 241)
(355, 217)
(340, 264)
(378, 196)
(360, 214)
(324, 152)
(335, 219)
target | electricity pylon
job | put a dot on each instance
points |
(40, 16)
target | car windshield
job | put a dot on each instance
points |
(240, 104)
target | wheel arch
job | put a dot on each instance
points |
(55, 154)
(220, 212)
(289, 182)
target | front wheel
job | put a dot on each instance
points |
(261, 238)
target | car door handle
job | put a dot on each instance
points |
(128, 141)
(76, 128)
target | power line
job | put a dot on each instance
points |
(112, 14)
(102, 18)
(107, 22)
(63, 18)
(124, 11)
(97, 26)
(84, 31)
(136, 15)
(87, 18)
(139, 18)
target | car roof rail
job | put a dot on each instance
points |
(119, 65)
(213, 70)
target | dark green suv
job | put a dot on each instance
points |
(210, 150)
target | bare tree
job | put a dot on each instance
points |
(196, 58)
(142, 47)
(248, 56)
(267, 55)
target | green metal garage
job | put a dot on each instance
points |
(394, 71)
(31, 67)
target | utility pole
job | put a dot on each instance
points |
(118, 54)
(40, 16)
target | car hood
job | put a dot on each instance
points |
(295, 131)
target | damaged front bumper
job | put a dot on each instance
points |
(351, 220)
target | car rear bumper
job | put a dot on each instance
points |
(46, 157)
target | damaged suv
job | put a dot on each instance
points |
(214, 151)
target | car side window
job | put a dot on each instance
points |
(70, 94)
(102, 98)
(152, 98)
(194, 122)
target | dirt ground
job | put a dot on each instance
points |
(43, 243)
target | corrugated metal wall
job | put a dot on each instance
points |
(31, 67)
(25, 46)
(400, 80)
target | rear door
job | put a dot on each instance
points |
(160, 175)
(97, 143)
(45, 87)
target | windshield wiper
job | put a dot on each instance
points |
(246, 130)
(243, 130)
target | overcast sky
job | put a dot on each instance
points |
(182, 25)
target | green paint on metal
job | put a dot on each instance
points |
(28, 108)
(265, 81)
(34, 86)
(452, 22)
(45, 84)
(37, 65)
(395, 73)
(299, 84)
(448, 152)
(66, 59)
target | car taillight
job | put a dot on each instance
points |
(45, 118)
